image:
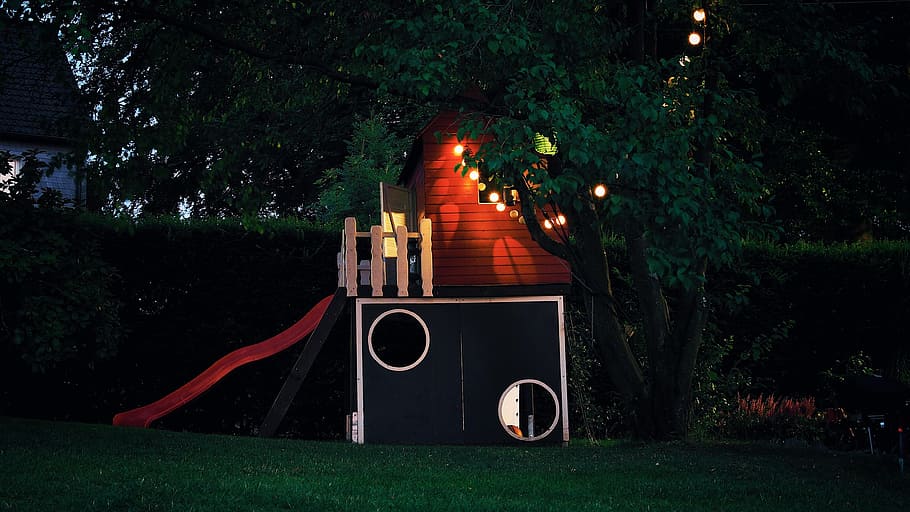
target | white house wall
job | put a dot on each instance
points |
(62, 179)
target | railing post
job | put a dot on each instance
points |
(426, 256)
(401, 262)
(350, 256)
(376, 264)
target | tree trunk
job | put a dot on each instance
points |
(673, 344)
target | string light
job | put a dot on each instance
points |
(561, 219)
(600, 191)
(500, 207)
(698, 15)
(494, 197)
(695, 39)
(458, 150)
(474, 175)
(547, 224)
(513, 214)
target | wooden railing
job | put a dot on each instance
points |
(349, 267)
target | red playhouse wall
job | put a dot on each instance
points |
(473, 243)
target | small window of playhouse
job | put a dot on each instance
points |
(528, 410)
(398, 340)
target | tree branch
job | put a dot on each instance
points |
(530, 215)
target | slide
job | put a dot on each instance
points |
(144, 416)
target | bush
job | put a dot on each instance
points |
(767, 417)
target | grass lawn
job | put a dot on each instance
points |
(50, 466)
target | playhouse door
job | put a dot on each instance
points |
(397, 210)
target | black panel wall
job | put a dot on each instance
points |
(477, 349)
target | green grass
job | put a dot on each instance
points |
(77, 467)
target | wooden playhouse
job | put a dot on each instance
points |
(458, 314)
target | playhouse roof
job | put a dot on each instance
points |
(38, 94)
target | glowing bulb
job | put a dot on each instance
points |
(494, 197)
(513, 214)
(600, 191)
(500, 207)
(481, 186)
(547, 224)
(695, 39)
(474, 175)
(698, 15)
(521, 220)
(561, 219)
(458, 149)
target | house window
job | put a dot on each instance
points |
(7, 177)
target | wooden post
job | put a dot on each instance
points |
(426, 256)
(401, 267)
(377, 269)
(304, 362)
(350, 255)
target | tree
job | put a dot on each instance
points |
(661, 134)
(214, 109)
(833, 87)
(352, 190)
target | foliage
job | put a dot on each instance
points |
(834, 90)
(771, 417)
(726, 370)
(209, 109)
(593, 413)
(57, 302)
(374, 155)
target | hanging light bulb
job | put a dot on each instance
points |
(561, 219)
(513, 214)
(458, 150)
(695, 39)
(500, 207)
(600, 191)
(474, 175)
(481, 186)
(547, 224)
(698, 15)
(494, 197)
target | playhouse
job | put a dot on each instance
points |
(457, 313)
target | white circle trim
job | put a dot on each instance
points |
(552, 426)
(426, 337)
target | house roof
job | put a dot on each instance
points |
(38, 93)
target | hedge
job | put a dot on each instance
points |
(99, 315)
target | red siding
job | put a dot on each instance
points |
(473, 244)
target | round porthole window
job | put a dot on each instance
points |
(528, 410)
(398, 340)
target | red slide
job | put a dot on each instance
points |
(144, 416)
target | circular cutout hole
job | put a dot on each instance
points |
(398, 340)
(528, 410)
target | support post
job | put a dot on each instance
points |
(350, 256)
(299, 372)
(401, 262)
(426, 257)
(377, 269)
